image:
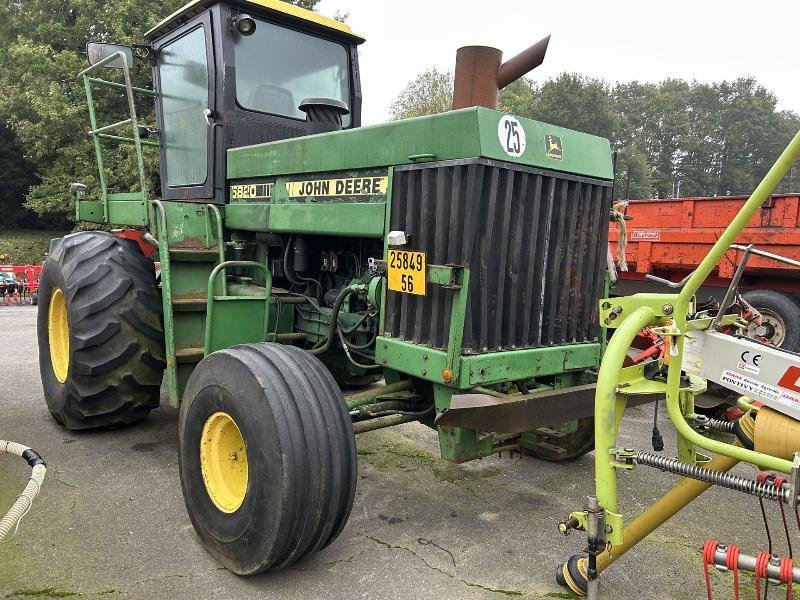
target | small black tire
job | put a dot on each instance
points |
(111, 367)
(299, 451)
(34, 299)
(781, 312)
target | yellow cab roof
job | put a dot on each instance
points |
(279, 6)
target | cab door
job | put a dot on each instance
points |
(185, 78)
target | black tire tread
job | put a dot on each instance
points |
(116, 331)
(316, 438)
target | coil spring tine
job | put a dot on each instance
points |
(765, 490)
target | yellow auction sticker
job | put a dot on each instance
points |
(406, 272)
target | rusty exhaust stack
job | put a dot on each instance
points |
(481, 74)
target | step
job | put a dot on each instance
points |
(189, 302)
(189, 354)
(194, 254)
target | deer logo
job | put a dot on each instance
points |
(552, 147)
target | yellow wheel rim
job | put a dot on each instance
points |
(58, 335)
(223, 462)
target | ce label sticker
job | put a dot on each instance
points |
(749, 362)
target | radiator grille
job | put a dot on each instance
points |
(534, 241)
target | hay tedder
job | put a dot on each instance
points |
(448, 269)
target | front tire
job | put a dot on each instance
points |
(267, 456)
(101, 341)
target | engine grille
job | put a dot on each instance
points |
(534, 241)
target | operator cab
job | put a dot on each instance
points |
(231, 74)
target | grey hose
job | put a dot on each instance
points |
(10, 522)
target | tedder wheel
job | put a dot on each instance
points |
(267, 456)
(781, 322)
(34, 298)
(101, 341)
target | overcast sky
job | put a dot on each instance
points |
(620, 41)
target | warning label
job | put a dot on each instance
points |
(752, 387)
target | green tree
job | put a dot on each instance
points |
(633, 175)
(18, 176)
(578, 102)
(431, 92)
(42, 100)
(517, 98)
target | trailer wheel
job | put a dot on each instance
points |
(101, 341)
(267, 456)
(781, 323)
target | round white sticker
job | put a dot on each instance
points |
(511, 136)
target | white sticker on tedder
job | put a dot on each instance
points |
(749, 385)
(511, 136)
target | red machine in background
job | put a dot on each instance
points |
(667, 239)
(19, 284)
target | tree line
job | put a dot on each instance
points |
(673, 138)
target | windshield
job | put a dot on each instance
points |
(277, 68)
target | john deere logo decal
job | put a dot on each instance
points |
(552, 147)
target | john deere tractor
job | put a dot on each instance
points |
(445, 269)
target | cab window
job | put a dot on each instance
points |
(183, 72)
(276, 68)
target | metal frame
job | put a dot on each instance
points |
(668, 312)
(101, 133)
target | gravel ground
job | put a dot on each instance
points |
(111, 521)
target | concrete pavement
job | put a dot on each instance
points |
(111, 521)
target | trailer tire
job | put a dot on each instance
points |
(267, 456)
(782, 314)
(101, 340)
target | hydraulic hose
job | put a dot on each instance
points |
(20, 508)
(337, 306)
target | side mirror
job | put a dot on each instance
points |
(97, 51)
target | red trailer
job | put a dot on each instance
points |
(669, 237)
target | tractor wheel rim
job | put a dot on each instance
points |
(223, 462)
(777, 323)
(58, 335)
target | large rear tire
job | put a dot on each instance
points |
(267, 456)
(101, 340)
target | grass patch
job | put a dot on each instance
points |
(25, 246)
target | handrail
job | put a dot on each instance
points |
(220, 241)
(166, 296)
(114, 84)
(210, 300)
(99, 133)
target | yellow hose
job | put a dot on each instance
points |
(20, 508)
